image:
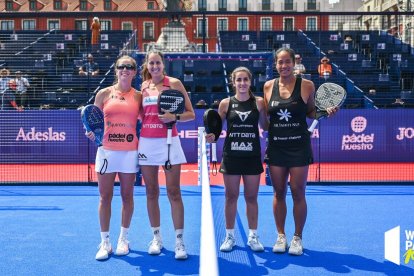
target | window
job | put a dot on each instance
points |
(81, 25)
(242, 5)
(288, 24)
(57, 5)
(222, 5)
(266, 24)
(7, 25)
(312, 5)
(150, 6)
(53, 24)
(9, 5)
(200, 27)
(32, 5)
(222, 24)
(107, 5)
(311, 24)
(242, 24)
(200, 47)
(106, 25)
(29, 24)
(83, 5)
(288, 5)
(265, 5)
(127, 26)
(148, 30)
(202, 5)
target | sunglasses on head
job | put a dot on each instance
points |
(126, 66)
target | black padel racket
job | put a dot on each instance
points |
(213, 124)
(93, 120)
(328, 95)
(171, 101)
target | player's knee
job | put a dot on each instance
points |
(174, 194)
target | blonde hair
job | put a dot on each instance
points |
(249, 74)
(145, 73)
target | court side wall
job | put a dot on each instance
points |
(57, 136)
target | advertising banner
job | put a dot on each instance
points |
(57, 136)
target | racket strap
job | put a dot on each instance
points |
(168, 162)
(104, 167)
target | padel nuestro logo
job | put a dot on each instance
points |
(392, 251)
(358, 140)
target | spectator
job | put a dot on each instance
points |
(325, 69)
(8, 99)
(399, 103)
(90, 67)
(4, 79)
(299, 68)
(21, 88)
(201, 104)
(96, 31)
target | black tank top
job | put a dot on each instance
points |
(242, 138)
(288, 125)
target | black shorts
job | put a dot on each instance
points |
(289, 156)
(241, 166)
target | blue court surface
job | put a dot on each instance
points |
(50, 230)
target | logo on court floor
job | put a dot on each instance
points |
(392, 250)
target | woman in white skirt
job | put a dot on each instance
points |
(118, 155)
(153, 150)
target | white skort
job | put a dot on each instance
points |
(154, 151)
(124, 161)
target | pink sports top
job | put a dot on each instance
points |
(121, 112)
(152, 127)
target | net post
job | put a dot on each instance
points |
(200, 137)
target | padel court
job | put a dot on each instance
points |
(54, 230)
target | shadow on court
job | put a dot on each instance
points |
(163, 264)
(333, 262)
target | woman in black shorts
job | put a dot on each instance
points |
(289, 100)
(241, 154)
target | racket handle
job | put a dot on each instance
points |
(169, 135)
(313, 125)
(213, 152)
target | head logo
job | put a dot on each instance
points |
(359, 124)
(392, 251)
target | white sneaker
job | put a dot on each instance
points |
(122, 248)
(228, 244)
(155, 247)
(254, 243)
(281, 244)
(296, 247)
(105, 249)
(180, 253)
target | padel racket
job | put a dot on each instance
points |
(328, 95)
(213, 124)
(93, 120)
(171, 101)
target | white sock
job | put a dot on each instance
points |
(230, 232)
(156, 231)
(104, 236)
(252, 232)
(179, 235)
(124, 233)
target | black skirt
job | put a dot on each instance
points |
(289, 156)
(241, 166)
